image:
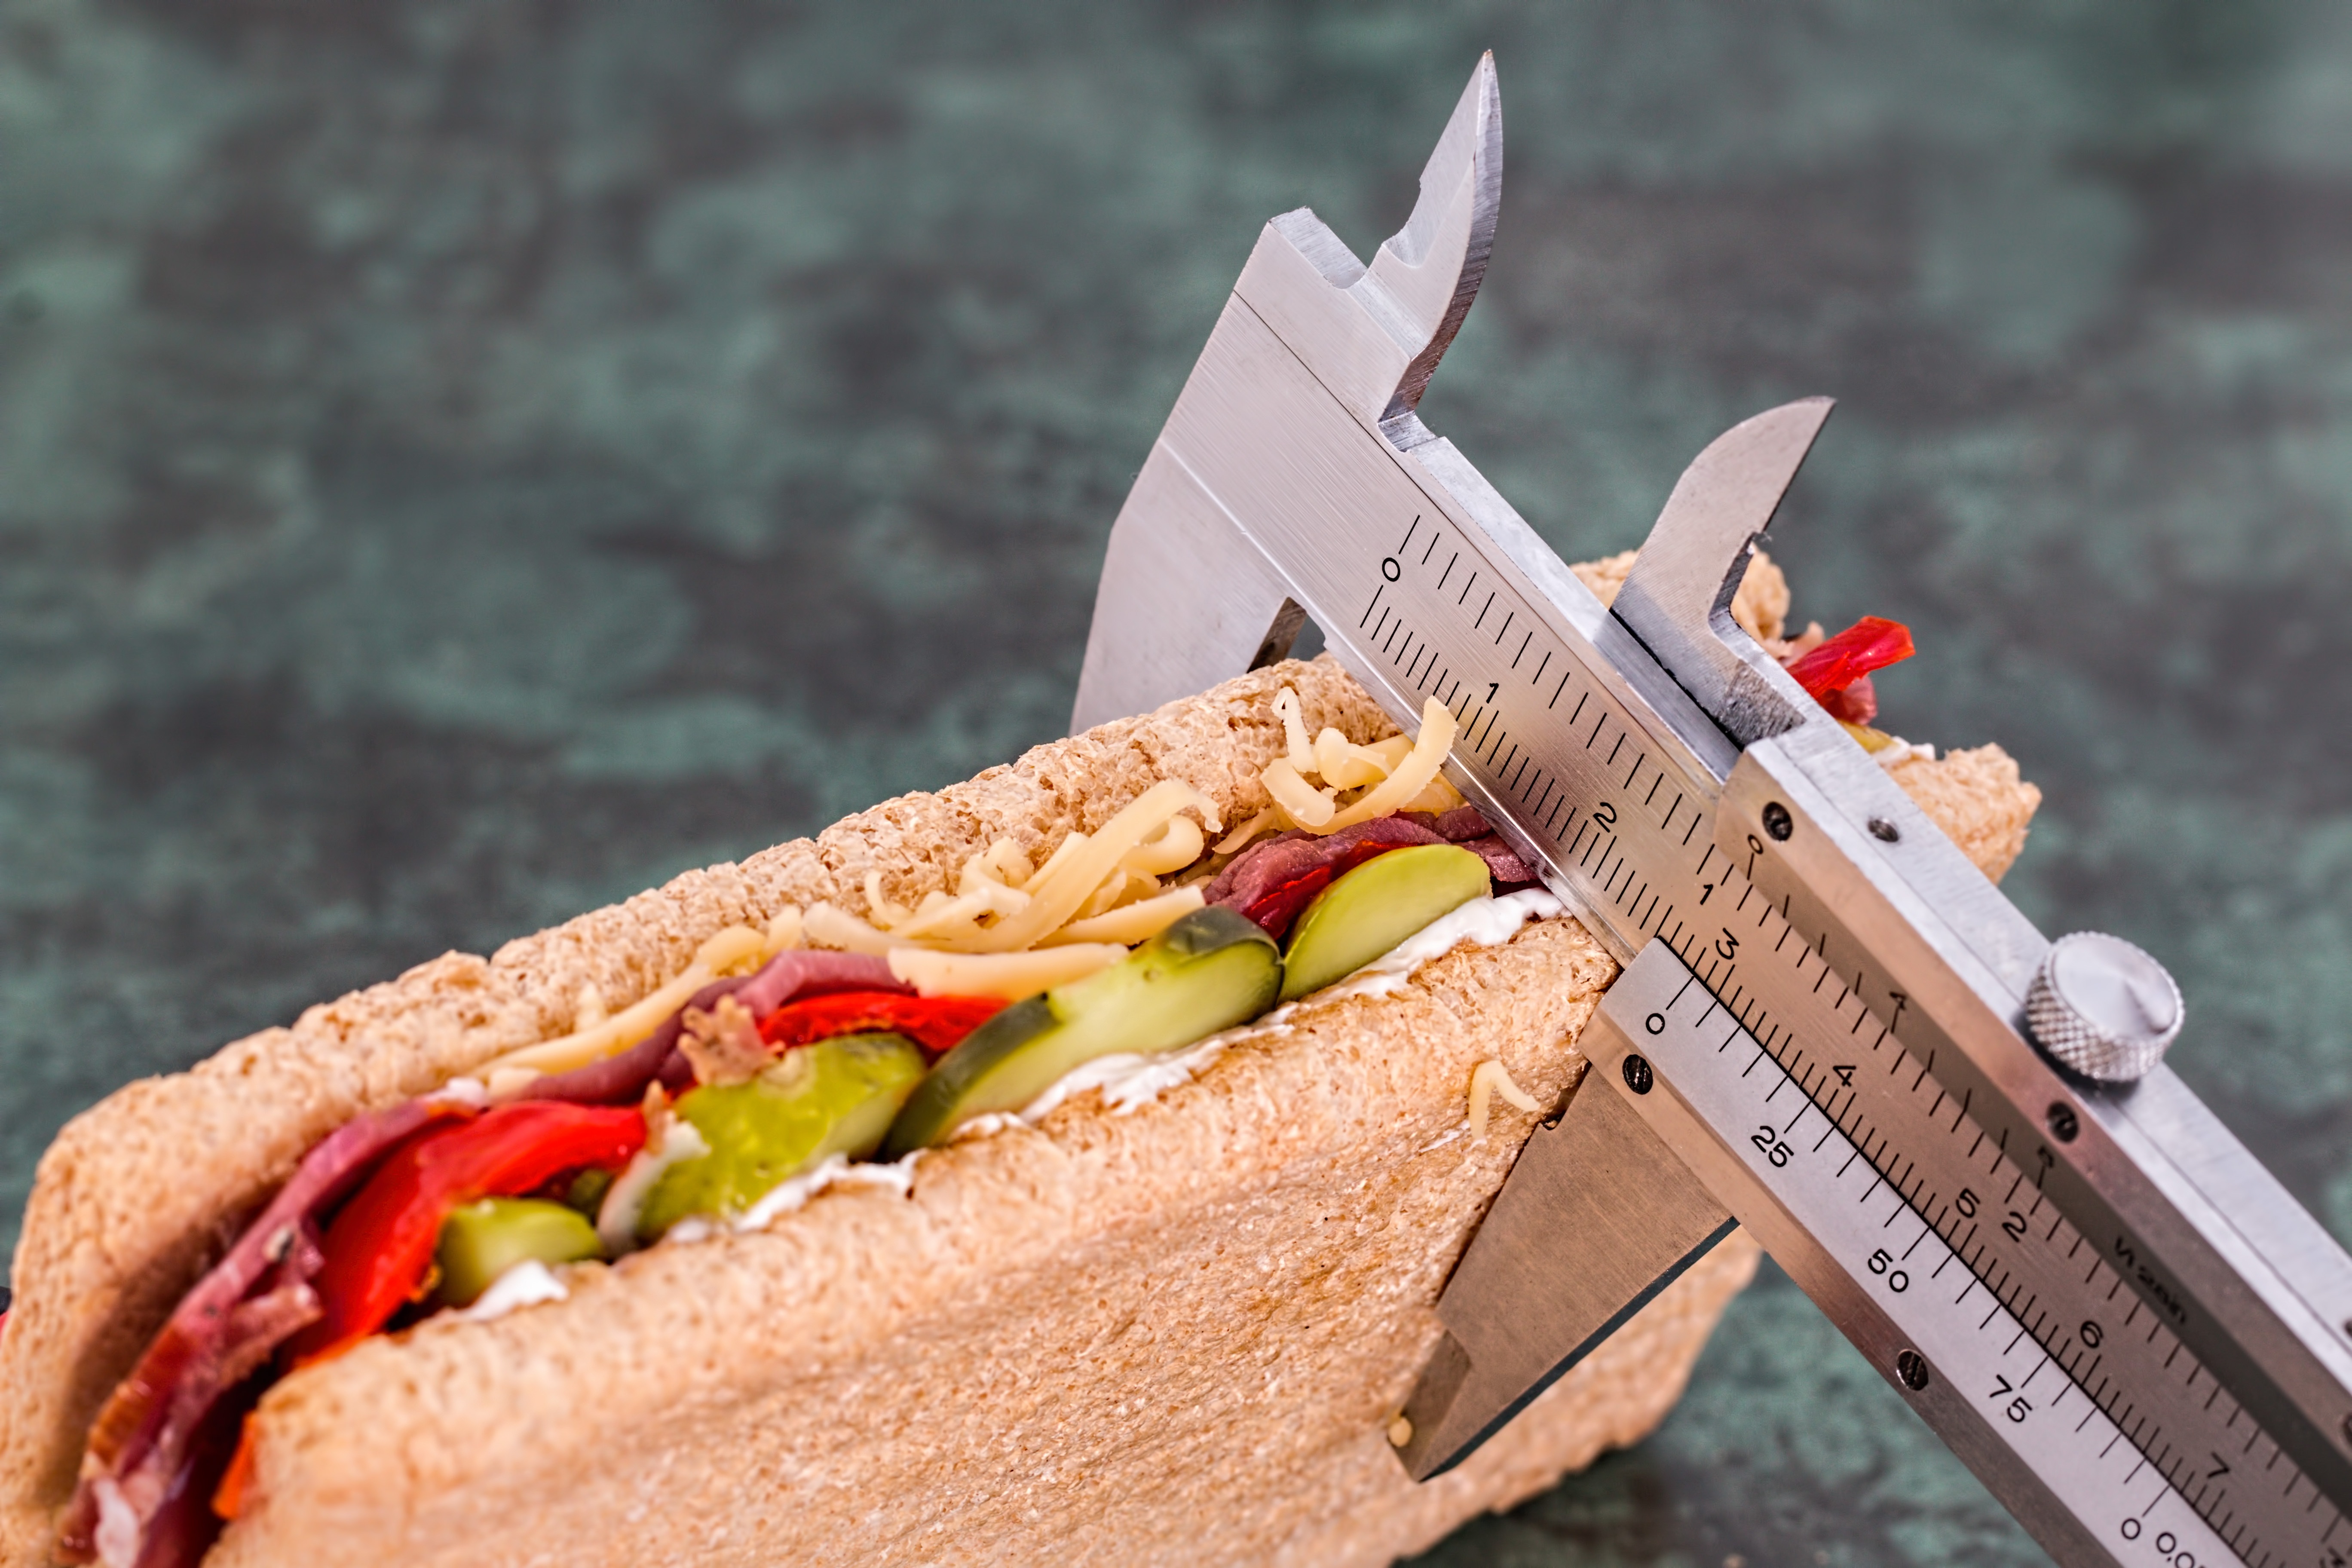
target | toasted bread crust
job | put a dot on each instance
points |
(1294, 1136)
(1978, 799)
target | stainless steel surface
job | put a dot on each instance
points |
(1288, 473)
(1899, 1264)
(2103, 1007)
(1929, 948)
(1677, 599)
(1559, 1262)
(1188, 595)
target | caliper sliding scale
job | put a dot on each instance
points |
(1831, 1028)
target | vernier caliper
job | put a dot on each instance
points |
(1954, 1134)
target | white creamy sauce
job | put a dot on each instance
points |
(527, 1284)
(985, 1126)
(834, 1171)
(1128, 1082)
(1488, 923)
(616, 1220)
(470, 1091)
(1125, 1082)
(784, 1198)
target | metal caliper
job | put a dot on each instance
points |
(1956, 1136)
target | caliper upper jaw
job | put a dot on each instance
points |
(1187, 596)
(1677, 599)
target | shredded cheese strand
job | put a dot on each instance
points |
(1309, 807)
(1053, 862)
(1012, 975)
(829, 925)
(1411, 776)
(1057, 893)
(1139, 922)
(1298, 753)
(1001, 865)
(1346, 765)
(1266, 821)
(721, 952)
(880, 908)
(1492, 1078)
(1177, 846)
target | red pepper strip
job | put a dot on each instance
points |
(1869, 644)
(379, 1246)
(1278, 906)
(937, 1024)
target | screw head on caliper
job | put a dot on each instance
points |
(1911, 1367)
(1777, 822)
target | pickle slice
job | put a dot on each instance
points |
(1373, 908)
(834, 1097)
(481, 1240)
(1209, 971)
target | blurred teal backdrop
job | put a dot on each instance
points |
(461, 463)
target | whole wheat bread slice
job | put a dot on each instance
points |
(1173, 1335)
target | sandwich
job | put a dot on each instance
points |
(1063, 1165)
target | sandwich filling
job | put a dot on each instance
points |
(814, 1050)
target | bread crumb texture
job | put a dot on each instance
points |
(1174, 1335)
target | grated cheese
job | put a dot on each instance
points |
(1492, 1078)
(1001, 865)
(1058, 890)
(1175, 846)
(828, 925)
(1297, 753)
(1411, 776)
(721, 954)
(1129, 923)
(1304, 805)
(1346, 765)
(1266, 821)
(1012, 975)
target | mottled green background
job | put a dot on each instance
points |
(461, 463)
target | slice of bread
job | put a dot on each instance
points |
(1175, 1334)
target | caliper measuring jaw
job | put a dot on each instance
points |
(1311, 376)
(1764, 881)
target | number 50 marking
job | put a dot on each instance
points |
(1896, 1280)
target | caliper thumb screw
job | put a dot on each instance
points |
(2101, 1006)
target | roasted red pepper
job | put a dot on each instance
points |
(1837, 673)
(937, 1024)
(380, 1246)
(1278, 906)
